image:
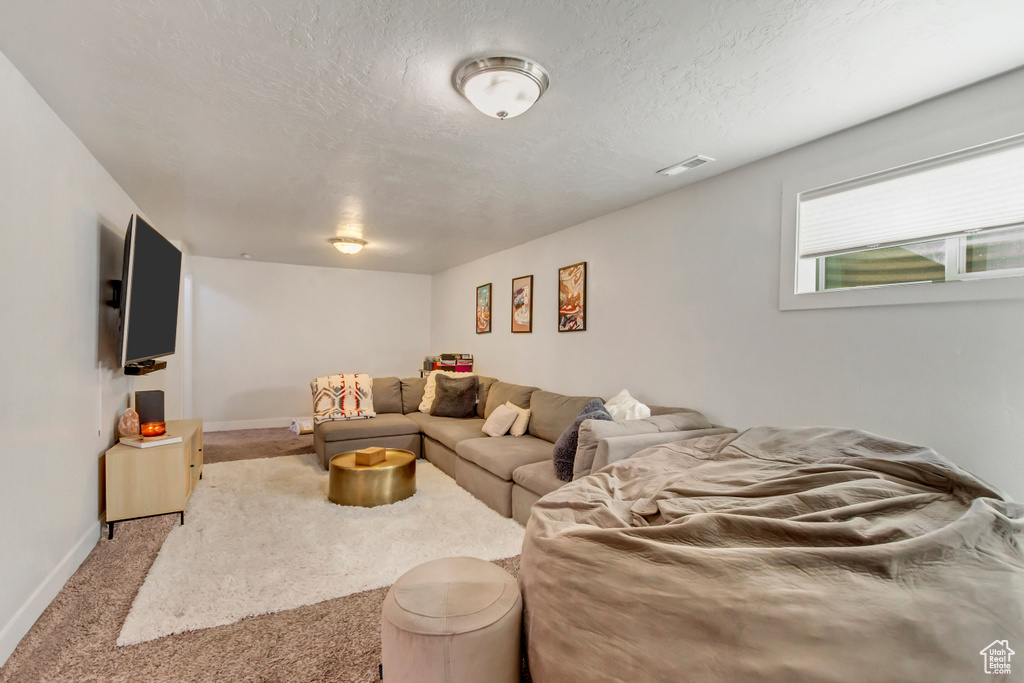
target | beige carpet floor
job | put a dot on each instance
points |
(75, 638)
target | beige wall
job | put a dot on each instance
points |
(262, 331)
(684, 309)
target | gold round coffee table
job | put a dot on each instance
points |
(368, 486)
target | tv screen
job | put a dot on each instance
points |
(149, 294)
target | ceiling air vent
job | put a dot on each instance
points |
(692, 162)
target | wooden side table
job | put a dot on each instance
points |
(146, 482)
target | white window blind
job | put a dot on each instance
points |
(973, 190)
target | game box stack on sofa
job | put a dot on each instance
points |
(508, 473)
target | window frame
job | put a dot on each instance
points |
(994, 285)
(955, 247)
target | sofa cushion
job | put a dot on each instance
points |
(551, 413)
(592, 432)
(419, 418)
(385, 424)
(622, 447)
(668, 410)
(449, 430)
(455, 396)
(503, 454)
(502, 392)
(676, 422)
(482, 391)
(387, 395)
(412, 393)
(538, 477)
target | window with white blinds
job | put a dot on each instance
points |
(965, 193)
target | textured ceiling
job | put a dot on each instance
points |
(268, 126)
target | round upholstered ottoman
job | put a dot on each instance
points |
(455, 620)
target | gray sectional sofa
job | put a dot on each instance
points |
(508, 473)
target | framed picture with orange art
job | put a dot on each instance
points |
(522, 304)
(483, 309)
(572, 298)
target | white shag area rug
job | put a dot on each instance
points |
(260, 536)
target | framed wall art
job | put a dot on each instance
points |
(483, 309)
(522, 304)
(572, 298)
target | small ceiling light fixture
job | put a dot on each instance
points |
(247, 256)
(348, 245)
(502, 87)
(692, 162)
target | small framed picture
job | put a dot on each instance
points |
(483, 309)
(572, 298)
(522, 304)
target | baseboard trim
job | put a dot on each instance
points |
(15, 629)
(247, 424)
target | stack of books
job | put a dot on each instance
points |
(149, 441)
(453, 362)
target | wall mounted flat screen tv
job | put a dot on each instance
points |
(149, 294)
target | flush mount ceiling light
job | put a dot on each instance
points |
(502, 87)
(348, 245)
(692, 162)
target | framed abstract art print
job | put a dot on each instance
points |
(572, 298)
(522, 304)
(483, 309)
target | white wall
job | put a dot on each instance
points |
(684, 310)
(262, 331)
(62, 219)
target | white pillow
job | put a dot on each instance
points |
(430, 389)
(622, 406)
(522, 419)
(500, 421)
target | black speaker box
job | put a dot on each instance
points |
(150, 406)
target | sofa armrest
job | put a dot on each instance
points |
(613, 449)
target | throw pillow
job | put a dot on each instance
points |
(454, 396)
(431, 387)
(518, 427)
(500, 421)
(622, 406)
(565, 448)
(342, 397)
